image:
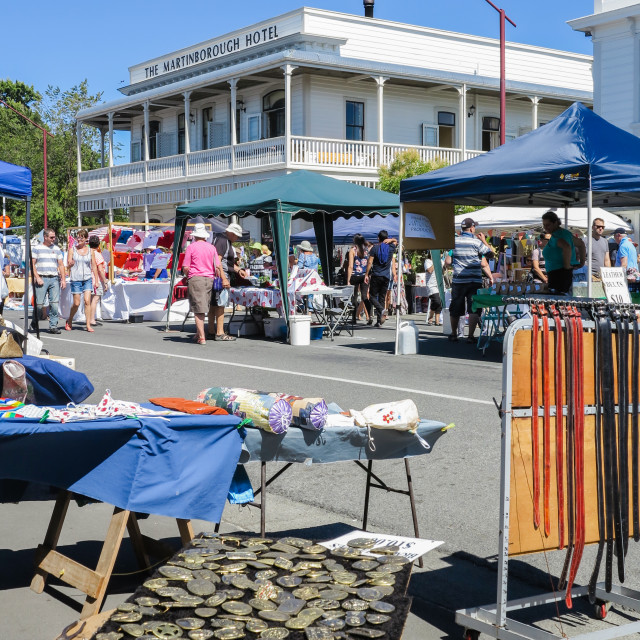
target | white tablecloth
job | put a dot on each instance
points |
(125, 298)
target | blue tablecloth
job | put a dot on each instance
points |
(179, 467)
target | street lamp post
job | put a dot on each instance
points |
(45, 133)
(503, 89)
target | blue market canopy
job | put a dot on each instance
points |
(553, 166)
(15, 181)
(344, 229)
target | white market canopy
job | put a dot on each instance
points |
(523, 218)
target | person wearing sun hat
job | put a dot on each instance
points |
(223, 242)
(307, 259)
(201, 264)
(256, 260)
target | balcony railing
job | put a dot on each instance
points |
(356, 156)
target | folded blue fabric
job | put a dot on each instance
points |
(53, 383)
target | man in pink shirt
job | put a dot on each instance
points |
(201, 264)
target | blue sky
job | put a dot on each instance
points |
(62, 43)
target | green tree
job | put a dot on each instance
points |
(404, 165)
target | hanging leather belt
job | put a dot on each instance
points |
(559, 424)
(597, 347)
(534, 417)
(569, 369)
(578, 396)
(546, 423)
(634, 425)
(623, 422)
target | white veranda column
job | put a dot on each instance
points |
(288, 70)
(534, 112)
(380, 80)
(461, 129)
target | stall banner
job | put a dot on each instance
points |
(409, 548)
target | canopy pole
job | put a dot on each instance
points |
(27, 269)
(399, 277)
(178, 237)
(589, 239)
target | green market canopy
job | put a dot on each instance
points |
(302, 194)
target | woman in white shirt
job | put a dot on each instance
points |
(435, 304)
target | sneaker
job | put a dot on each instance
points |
(54, 330)
(384, 316)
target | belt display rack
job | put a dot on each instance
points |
(573, 481)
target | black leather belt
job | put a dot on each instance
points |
(634, 425)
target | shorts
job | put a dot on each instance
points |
(220, 298)
(199, 292)
(461, 296)
(78, 286)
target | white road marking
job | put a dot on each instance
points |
(302, 374)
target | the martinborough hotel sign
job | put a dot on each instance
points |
(207, 51)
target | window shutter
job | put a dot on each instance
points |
(167, 144)
(429, 135)
(136, 151)
(218, 134)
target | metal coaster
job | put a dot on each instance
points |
(377, 618)
(355, 605)
(127, 606)
(300, 543)
(365, 565)
(240, 581)
(326, 603)
(369, 594)
(239, 608)
(266, 574)
(283, 563)
(317, 549)
(212, 566)
(390, 568)
(298, 571)
(385, 590)
(200, 634)
(155, 583)
(206, 574)
(233, 594)
(355, 618)
(263, 605)
(231, 539)
(289, 581)
(335, 624)
(394, 560)
(190, 623)
(201, 587)
(365, 632)
(224, 623)
(241, 555)
(175, 573)
(229, 633)
(388, 580)
(321, 581)
(275, 633)
(274, 616)
(205, 612)
(313, 613)
(167, 630)
(267, 591)
(135, 630)
(257, 564)
(306, 593)
(149, 611)
(334, 594)
(381, 607)
(188, 600)
(233, 567)
(318, 633)
(334, 613)
(292, 606)
(362, 543)
(126, 616)
(344, 577)
(216, 599)
(256, 626)
(387, 550)
(147, 602)
(171, 592)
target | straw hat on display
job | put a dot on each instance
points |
(305, 245)
(265, 250)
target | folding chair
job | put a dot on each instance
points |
(339, 313)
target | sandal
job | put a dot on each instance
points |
(430, 323)
(201, 341)
(67, 326)
(90, 330)
(225, 337)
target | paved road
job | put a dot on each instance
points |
(456, 484)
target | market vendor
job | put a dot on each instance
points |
(151, 273)
(223, 242)
(559, 254)
(537, 272)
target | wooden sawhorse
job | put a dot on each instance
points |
(94, 582)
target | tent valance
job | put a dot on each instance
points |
(15, 181)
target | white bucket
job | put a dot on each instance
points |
(300, 330)
(446, 323)
(408, 338)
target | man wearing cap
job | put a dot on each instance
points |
(627, 256)
(599, 248)
(466, 258)
(223, 242)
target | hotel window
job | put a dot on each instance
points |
(490, 133)
(181, 141)
(154, 129)
(273, 110)
(355, 120)
(207, 119)
(446, 129)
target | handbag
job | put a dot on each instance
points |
(217, 283)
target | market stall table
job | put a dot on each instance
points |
(130, 463)
(340, 444)
(16, 286)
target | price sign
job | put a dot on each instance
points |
(5, 221)
(614, 281)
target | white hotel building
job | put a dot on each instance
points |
(318, 90)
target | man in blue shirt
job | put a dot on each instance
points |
(467, 276)
(378, 275)
(627, 256)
